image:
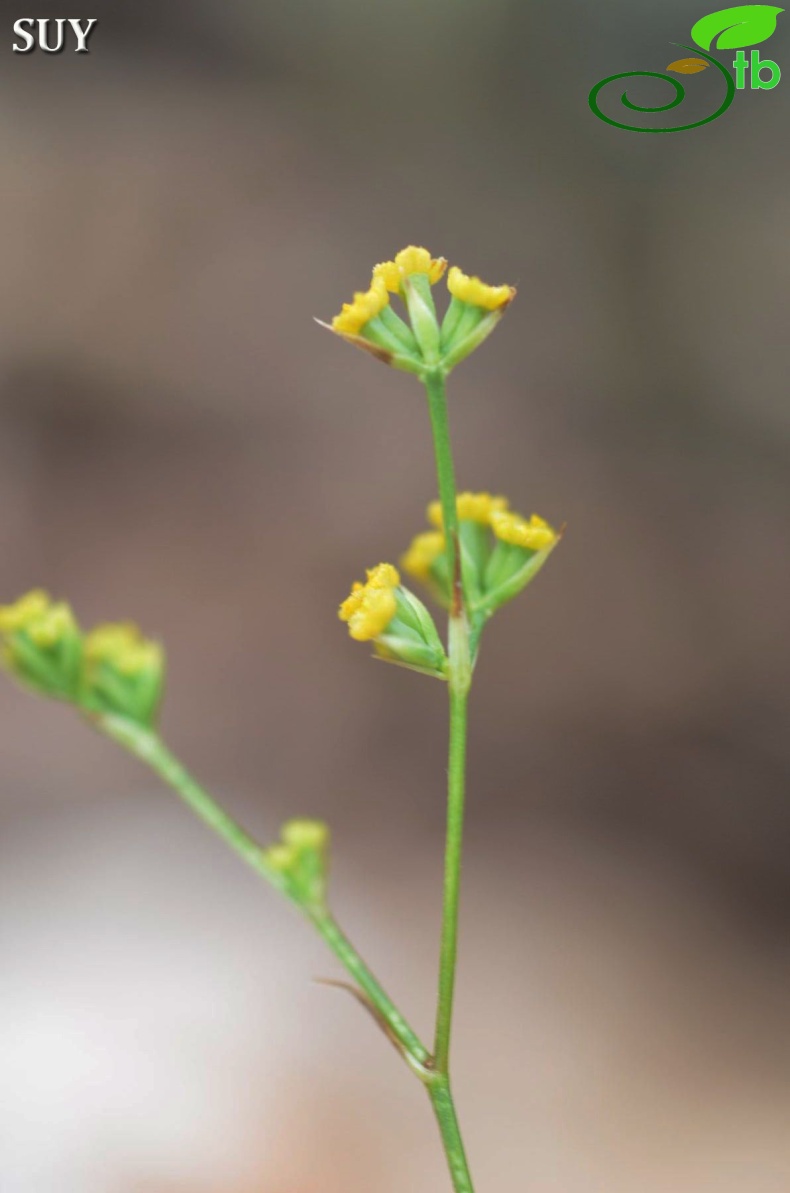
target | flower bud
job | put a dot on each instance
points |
(123, 673)
(301, 861)
(41, 644)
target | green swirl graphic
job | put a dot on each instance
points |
(680, 95)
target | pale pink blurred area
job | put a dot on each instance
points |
(182, 445)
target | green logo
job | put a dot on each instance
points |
(730, 29)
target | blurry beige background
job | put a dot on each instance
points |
(182, 445)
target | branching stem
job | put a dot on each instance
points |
(146, 745)
(150, 749)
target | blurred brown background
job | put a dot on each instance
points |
(182, 445)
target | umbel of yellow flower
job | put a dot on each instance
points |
(370, 607)
(300, 861)
(41, 644)
(402, 630)
(24, 612)
(422, 344)
(423, 552)
(113, 669)
(475, 293)
(500, 552)
(409, 261)
(53, 626)
(472, 507)
(122, 646)
(534, 533)
(366, 305)
(123, 672)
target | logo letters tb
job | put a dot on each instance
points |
(758, 64)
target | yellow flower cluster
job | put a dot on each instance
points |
(486, 510)
(366, 305)
(389, 276)
(301, 859)
(43, 620)
(113, 666)
(424, 549)
(370, 607)
(408, 261)
(477, 293)
(25, 612)
(472, 507)
(124, 648)
(297, 837)
(533, 533)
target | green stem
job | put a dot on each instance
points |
(145, 745)
(459, 681)
(348, 956)
(445, 475)
(444, 1108)
(452, 876)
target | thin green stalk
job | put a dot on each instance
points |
(145, 745)
(444, 1109)
(445, 475)
(459, 681)
(348, 956)
(452, 878)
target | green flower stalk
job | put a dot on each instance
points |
(478, 555)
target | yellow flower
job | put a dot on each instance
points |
(45, 622)
(366, 305)
(472, 507)
(52, 626)
(301, 856)
(24, 612)
(282, 857)
(477, 293)
(424, 549)
(305, 834)
(370, 607)
(407, 261)
(536, 534)
(40, 644)
(124, 648)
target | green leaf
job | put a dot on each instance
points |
(746, 25)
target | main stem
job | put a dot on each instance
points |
(445, 475)
(444, 1108)
(452, 879)
(459, 680)
(149, 748)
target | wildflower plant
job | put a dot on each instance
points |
(475, 555)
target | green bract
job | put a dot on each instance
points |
(411, 638)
